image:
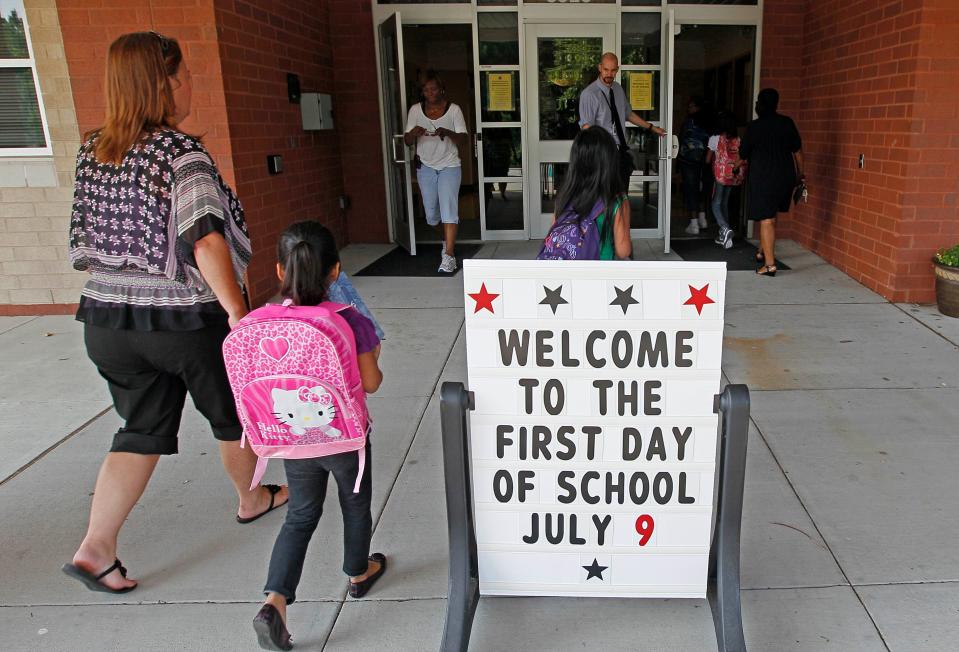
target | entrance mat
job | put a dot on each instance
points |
(741, 257)
(399, 262)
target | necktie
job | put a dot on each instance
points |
(617, 123)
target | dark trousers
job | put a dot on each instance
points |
(307, 480)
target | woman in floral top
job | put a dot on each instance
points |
(165, 243)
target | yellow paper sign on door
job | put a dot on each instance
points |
(499, 92)
(641, 91)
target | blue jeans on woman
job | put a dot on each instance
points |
(720, 205)
(307, 480)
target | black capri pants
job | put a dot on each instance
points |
(150, 373)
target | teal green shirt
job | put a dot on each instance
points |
(607, 249)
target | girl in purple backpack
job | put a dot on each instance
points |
(308, 264)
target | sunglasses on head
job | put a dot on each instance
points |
(164, 42)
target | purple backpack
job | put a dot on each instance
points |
(572, 237)
(297, 384)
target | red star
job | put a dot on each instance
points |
(483, 299)
(698, 298)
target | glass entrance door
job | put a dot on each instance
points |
(400, 193)
(561, 60)
(712, 68)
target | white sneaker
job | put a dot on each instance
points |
(447, 265)
(693, 228)
(728, 239)
(702, 220)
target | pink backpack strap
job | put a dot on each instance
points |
(259, 471)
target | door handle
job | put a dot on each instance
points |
(399, 159)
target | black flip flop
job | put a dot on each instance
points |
(93, 582)
(274, 489)
(359, 589)
(271, 633)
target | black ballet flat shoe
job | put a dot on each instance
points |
(359, 589)
(270, 631)
(767, 270)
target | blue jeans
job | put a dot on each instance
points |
(720, 204)
(441, 194)
(307, 480)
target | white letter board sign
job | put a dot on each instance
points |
(593, 438)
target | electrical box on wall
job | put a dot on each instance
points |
(317, 111)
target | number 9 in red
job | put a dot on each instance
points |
(644, 526)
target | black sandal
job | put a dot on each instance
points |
(766, 270)
(274, 489)
(359, 589)
(93, 582)
(271, 632)
(760, 258)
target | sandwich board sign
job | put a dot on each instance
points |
(593, 439)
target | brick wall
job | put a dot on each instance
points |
(358, 122)
(930, 217)
(36, 193)
(871, 82)
(260, 42)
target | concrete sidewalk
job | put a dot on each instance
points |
(849, 532)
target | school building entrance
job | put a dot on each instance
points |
(517, 68)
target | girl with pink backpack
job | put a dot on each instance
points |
(300, 372)
(729, 171)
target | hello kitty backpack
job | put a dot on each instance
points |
(297, 384)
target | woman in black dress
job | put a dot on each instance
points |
(774, 150)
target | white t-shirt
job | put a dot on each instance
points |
(438, 153)
(713, 143)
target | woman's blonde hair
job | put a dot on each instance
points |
(138, 91)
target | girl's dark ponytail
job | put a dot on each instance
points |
(307, 253)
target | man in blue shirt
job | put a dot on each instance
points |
(604, 103)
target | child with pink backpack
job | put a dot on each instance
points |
(300, 372)
(729, 171)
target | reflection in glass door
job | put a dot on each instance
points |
(561, 61)
(394, 96)
(712, 68)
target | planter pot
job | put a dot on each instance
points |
(947, 289)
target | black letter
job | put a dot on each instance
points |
(657, 445)
(568, 361)
(650, 353)
(563, 480)
(651, 398)
(573, 539)
(542, 348)
(591, 432)
(541, 438)
(528, 384)
(524, 484)
(602, 386)
(631, 397)
(502, 441)
(621, 361)
(660, 494)
(593, 361)
(584, 487)
(554, 386)
(616, 487)
(632, 450)
(511, 348)
(638, 499)
(683, 498)
(681, 439)
(498, 478)
(601, 526)
(533, 536)
(682, 349)
(554, 537)
(562, 436)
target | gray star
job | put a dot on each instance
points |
(553, 298)
(594, 570)
(624, 298)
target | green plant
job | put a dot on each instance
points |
(948, 257)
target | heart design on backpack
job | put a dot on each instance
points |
(275, 347)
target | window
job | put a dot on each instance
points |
(23, 131)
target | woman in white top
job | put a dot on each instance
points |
(438, 128)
